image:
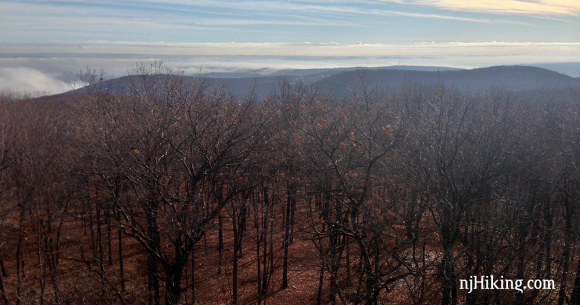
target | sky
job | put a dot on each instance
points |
(44, 44)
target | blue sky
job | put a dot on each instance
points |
(387, 22)
(347, 22)
(55, 37)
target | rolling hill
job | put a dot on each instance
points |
(341, 81)
(511, 78)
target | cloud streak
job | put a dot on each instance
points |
(344, 21)
(536, 7)
(85, 49)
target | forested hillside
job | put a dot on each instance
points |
(343, 82)
(510, 78)
(177, 193)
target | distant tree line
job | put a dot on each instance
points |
(401, 193)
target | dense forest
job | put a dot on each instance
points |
(178, 193)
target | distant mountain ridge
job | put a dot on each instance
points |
(341, 81)
(511, 78)
(308, 73)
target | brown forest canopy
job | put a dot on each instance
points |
(391, 195)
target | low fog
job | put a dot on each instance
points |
(28, 80)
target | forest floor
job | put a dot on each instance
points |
(79, 275)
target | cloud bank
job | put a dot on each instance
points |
(47, 66)
(101, 49)
(29, 80)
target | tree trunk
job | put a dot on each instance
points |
(523, 232)
(3, 268)
(174, 272)
(154, 243)
(3, 297)
(235, 263)
(242, 226)
(569, 212)
(264, 237)
(449, 288)
(575, 298)
(109, 235)
(121, 267)
(257, 225)
(286, 238)
(117, 215)
(220, 242)
(193, 275)
(292, 210)
(19, 260)
(101, 257)
(320, 284)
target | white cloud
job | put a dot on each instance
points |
(24, 79)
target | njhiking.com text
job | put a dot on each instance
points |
(489, 282)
